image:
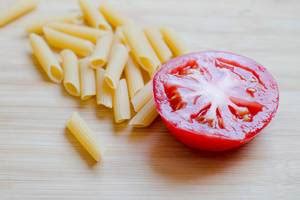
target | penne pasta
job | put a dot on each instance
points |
(17, 10)
(102, 49)
(119, 36)
(175, 43)
(64, 41)
(142, 97)
(104, 92)
(71, 72)
(121, 102)
(87, 80)
(145, 116)
(114, 17)
(134, 77)
(141, 48)
(46, 58)
(80, 130)
(158, 44)
(80, 31)
(92, 16)
(38, 24)
(116, 63)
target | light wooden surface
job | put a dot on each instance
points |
(38, 160)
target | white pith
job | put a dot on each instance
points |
(215, 91)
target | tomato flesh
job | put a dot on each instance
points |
(215, 100)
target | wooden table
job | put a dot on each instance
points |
(38, 160)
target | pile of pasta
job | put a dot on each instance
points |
(106, 58)
(102, 54)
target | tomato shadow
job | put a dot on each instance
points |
(178, 163)
(91, 163)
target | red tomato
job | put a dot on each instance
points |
(215, 100)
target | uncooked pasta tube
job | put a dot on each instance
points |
(142, 97)
(100, 55)
(46, 58)
(145, 116)
(114, 17)
(104, 92)
(17, 10)
(80, 130)
(87, 80)
(160, 47)
(175, 43)
(71, 72)
(64, 41)
(117, 61)
(37, 25)
(92, 16)
(121, 102)
(134, 77)
(80, 31)
(141, 48)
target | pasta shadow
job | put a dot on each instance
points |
(138, 134)
(77, 99)
(81, 151)
(104, 113)
(178, 163)
(120, 128)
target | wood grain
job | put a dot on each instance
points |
(39, 160)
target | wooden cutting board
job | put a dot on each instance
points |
(38, 160)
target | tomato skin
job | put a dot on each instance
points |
(201, 139)
(204, 142)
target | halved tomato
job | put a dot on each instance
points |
(215, 100)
